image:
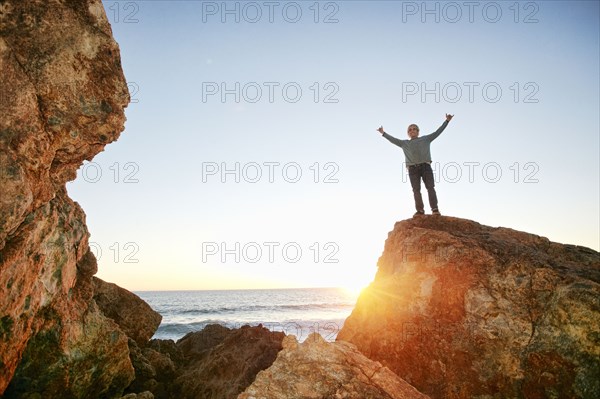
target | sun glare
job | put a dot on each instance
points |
(356, 279)
(354, 288)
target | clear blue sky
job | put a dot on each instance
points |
(521, 79)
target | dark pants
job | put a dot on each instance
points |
(416, 173)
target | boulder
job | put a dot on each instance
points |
(318, 369)
(221, 364)
(214, 363)
(134, 316)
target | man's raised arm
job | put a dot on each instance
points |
(434, 135)
(391, 139)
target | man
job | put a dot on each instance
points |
(418, 161)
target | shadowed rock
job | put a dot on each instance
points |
(214, 363)
(222, 365)
(134, 316)
(463, 310)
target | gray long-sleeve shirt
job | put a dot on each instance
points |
(417, 150)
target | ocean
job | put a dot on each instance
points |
(297, 311)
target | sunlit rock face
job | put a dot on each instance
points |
(62, 95)
(318, 369)
(462, 310)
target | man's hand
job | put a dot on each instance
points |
(449, 117)
(380, 130)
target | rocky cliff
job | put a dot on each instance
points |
(462, 310)
(62, 95)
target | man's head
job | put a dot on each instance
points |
(413, 131)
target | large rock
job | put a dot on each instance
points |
(62, 95)
(134, 316)
(214, 363)
(462, 310)
(317, 369)
(220, 363)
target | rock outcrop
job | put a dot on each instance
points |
(318, 369)
(221, 364)
(134, 316)
(462, 310)
(62, 95)
(216, 362)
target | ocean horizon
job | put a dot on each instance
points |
(296, 311)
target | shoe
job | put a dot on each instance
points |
(419, 213)
(435, 212)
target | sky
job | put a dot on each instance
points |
(250, 156)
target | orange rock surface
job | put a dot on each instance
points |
(462, 310)
(62, 98)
